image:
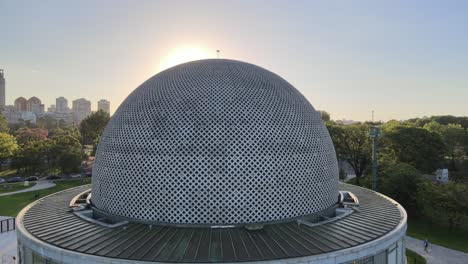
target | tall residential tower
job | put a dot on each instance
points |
(81, 109)
(103, 105)
(61, 105)
(2, 89)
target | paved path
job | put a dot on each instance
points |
(436, 254)
(7, 245)
(39, 186)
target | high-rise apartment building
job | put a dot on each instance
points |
(61, 105)
(103, 105)
(2, 90)
(81, 109)
(21, 104)
(35, 105)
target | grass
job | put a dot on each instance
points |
(439, 235)
(11, 205)
(13, 187)
(414, 258)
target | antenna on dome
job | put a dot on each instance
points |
(217, 53)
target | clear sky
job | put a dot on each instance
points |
(402, 59)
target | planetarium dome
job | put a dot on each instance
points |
(215, 142)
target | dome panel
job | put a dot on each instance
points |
(215, 142)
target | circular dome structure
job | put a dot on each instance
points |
(215, 142)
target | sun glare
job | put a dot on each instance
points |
(184, 54)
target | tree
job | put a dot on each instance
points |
(413, 145)
(352, 144)
(8, 146)
(47, 122)
(68, 151)
(3, 124)
(454, 137)
(62, 152)
(28, 135)
(434, 127)
(32, 156)
(442, 120)
(324, 115)
(399, 181)
(446, 203)
(66, 131)
(92, 126)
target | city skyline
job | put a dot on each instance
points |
(400, 59)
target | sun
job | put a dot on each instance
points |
(184, 54)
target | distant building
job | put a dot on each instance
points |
(11, 114)
(64, 117)
(35, 105)
(103, 105)
(81, 109)
(2, 89)
(21, 104)
(346, 122)
(51, 109)
(61, 105)
(28, 116)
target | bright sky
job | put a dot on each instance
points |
(402, 58)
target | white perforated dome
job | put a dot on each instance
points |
(215, 142)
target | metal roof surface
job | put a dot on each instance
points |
(51, 221)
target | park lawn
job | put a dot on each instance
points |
(13, 187)
(439, 235)
(11, 205)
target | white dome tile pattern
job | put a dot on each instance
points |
(215, 142)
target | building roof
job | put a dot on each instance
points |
(215, 142)
(51, 221)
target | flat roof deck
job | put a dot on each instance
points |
(51, 221)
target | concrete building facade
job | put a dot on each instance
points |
(61, 105)
(21, 104)
(35, 105)
(103, 105)
(2, 89)
(81, 108)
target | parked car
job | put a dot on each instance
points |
(32, 178)
(2, 180)
(16, 179)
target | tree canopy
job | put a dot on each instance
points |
(399, 181)
(8, 146)
(28, 135)
(3, 124)
(92, 127)
(352, 144)
(413, 145)
(324, 115)
(447, 202)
